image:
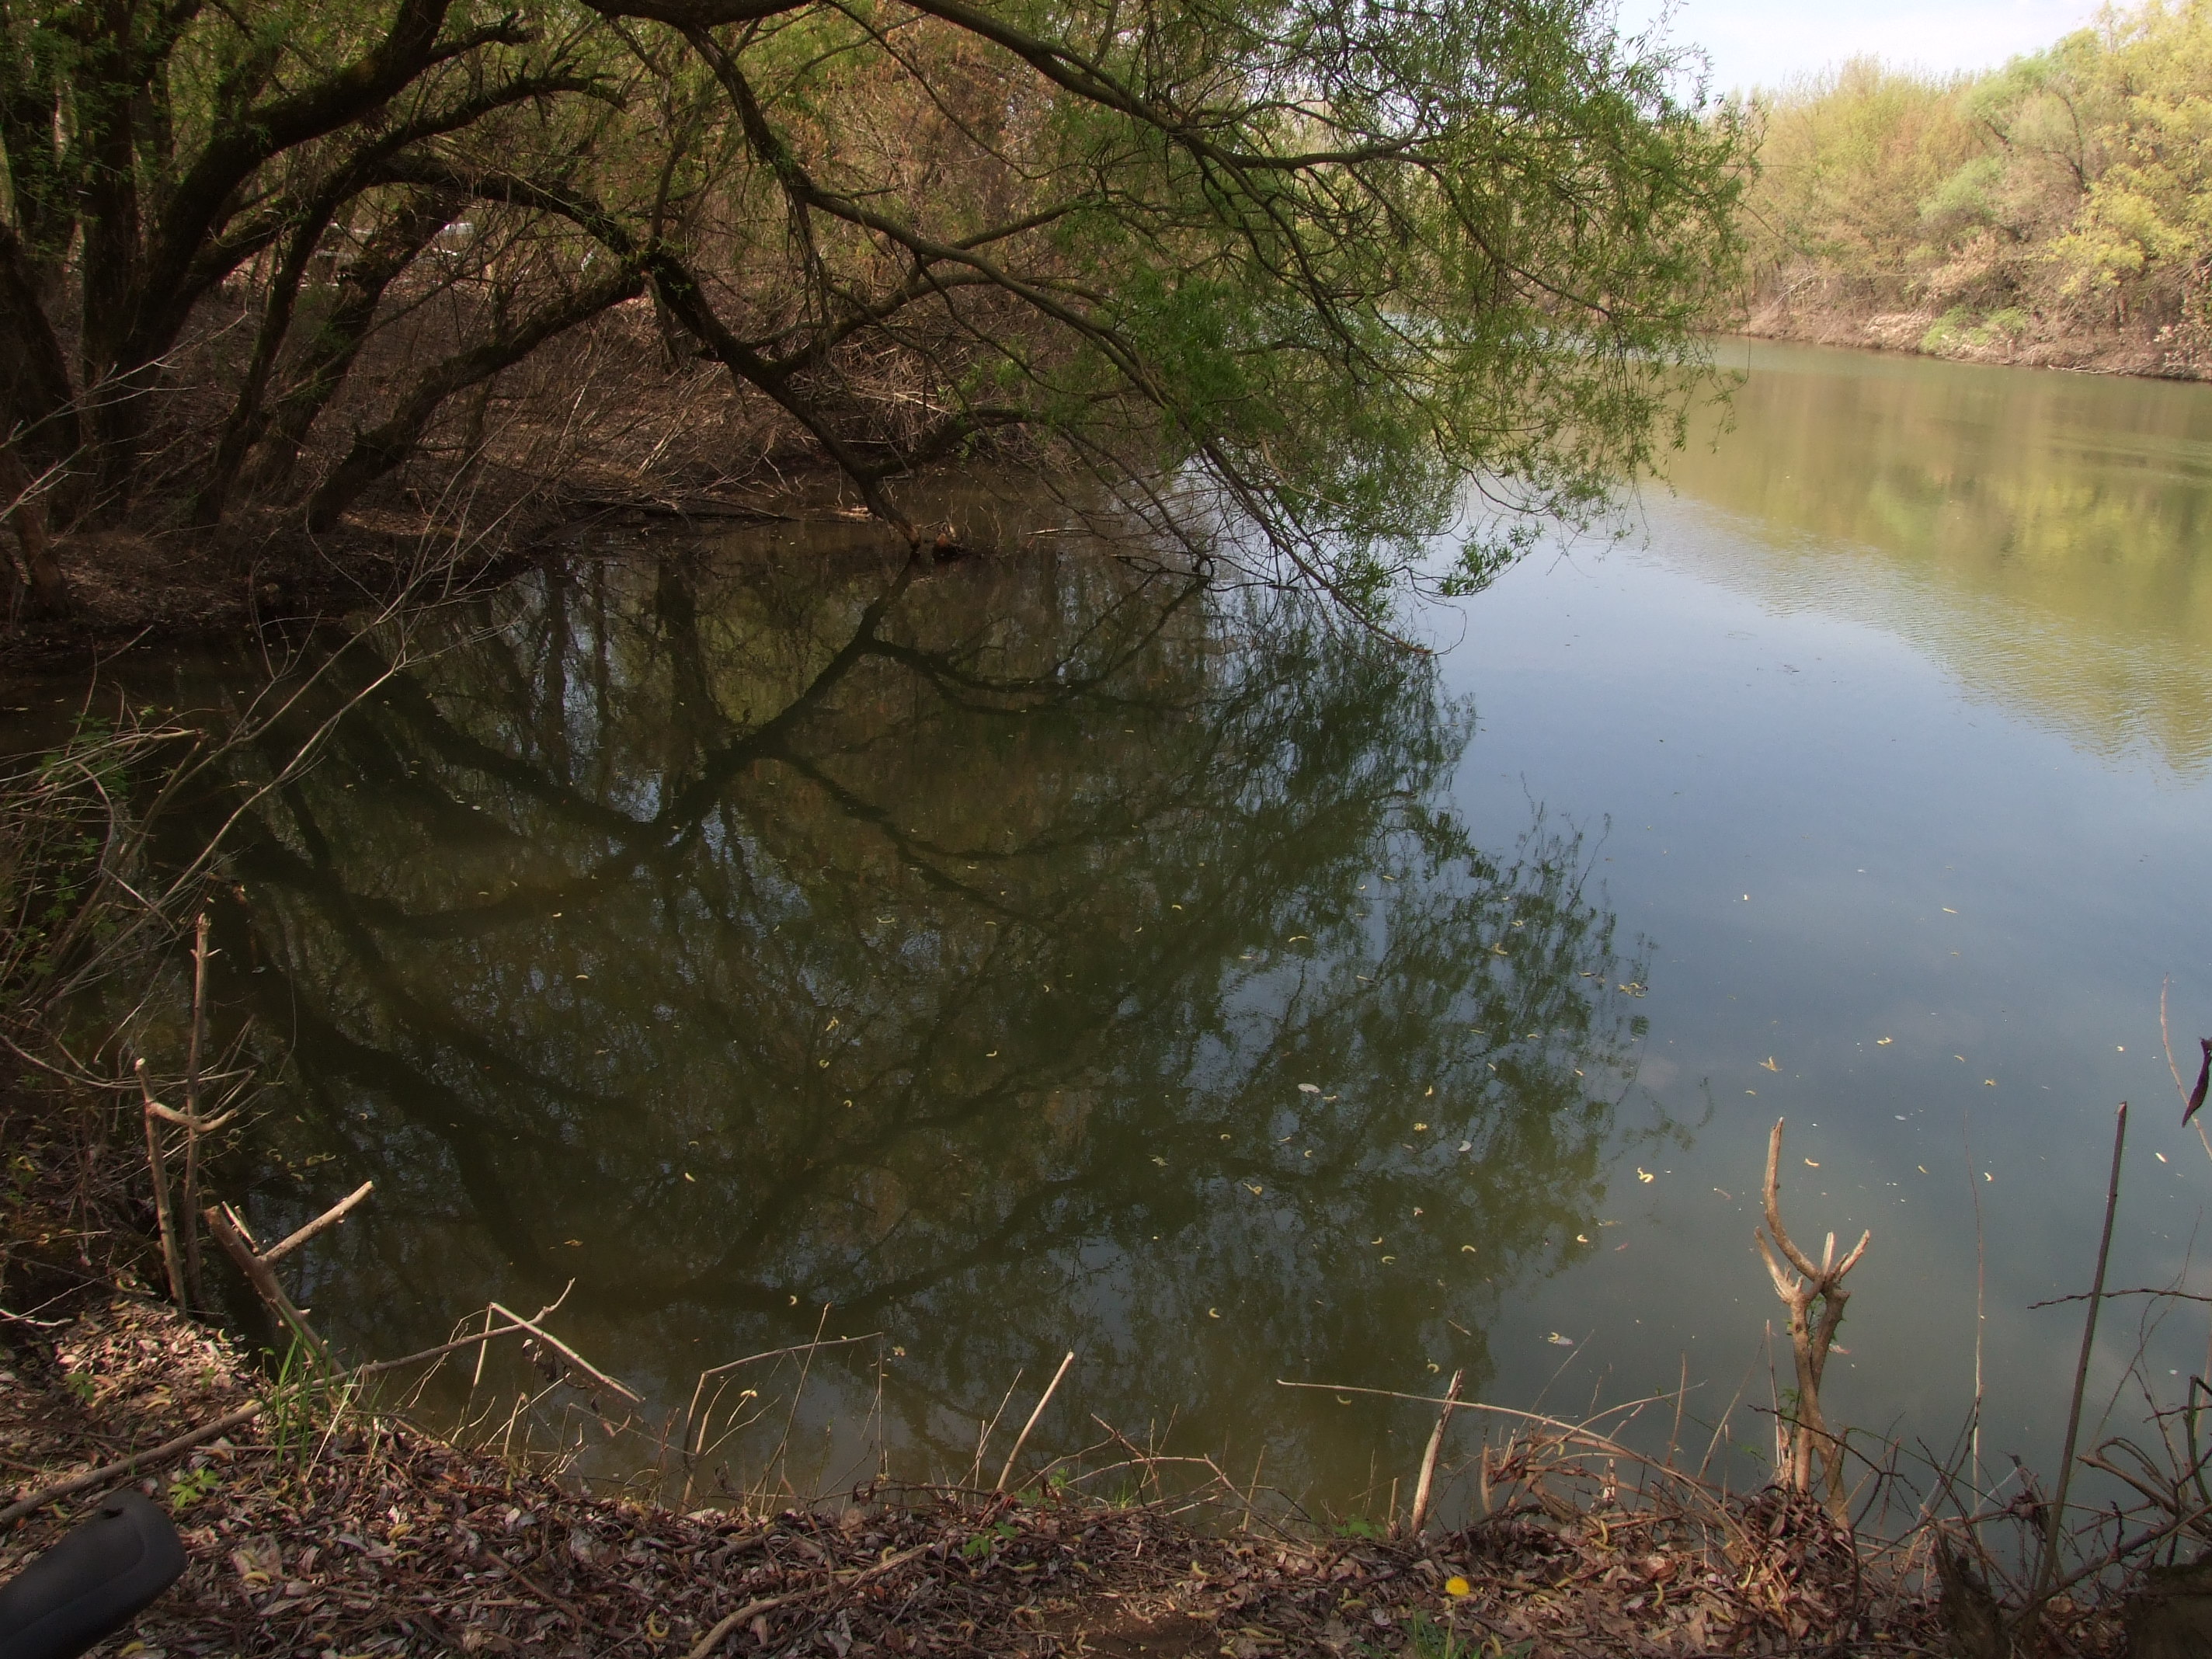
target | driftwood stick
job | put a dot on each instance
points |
(193, 1128)
(130, 1465)
(234, 1245)
(1424, 1487)
(329, 1217)
(158, 1161)
(1023, 1438)
(563, 1348)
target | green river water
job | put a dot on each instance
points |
(1045, 956)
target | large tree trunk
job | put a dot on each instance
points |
(37, 404)
(23, 507)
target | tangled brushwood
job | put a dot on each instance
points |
(324, 1524)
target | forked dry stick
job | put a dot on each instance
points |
(1811, 1333)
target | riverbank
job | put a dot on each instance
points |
(351, 1531)
(2008, 337)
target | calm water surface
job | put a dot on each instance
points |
(1043, 956)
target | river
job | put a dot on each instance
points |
(1047, 955)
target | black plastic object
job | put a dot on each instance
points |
(93, 1582)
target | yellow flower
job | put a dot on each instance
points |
(1456, 1585)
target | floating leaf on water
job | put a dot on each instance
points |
(1157, 1159)
(1254, 1190)
(1581, 1238)
(1558, 1341)
(1309, 1088)
(1643, 1174)
(1420, 1128)
(1466, 1249)
(1883, 1043)
(1213, 1313)
(1768, 1065)
(1467, 1145)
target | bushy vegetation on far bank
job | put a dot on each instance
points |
(2056, 210)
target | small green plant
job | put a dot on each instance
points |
(984, 1542)
(81, 1384)
(1358, 1526)
(190, 1488)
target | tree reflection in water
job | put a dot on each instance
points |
(741, 936)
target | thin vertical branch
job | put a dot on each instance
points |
(1967, 1136)
(1023, 1438)
(2056, 1521)
(1424, 1487)
(192, 1112)
(159, 1163)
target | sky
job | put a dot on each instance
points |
(1771, 42)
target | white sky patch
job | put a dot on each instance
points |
(1769, 43)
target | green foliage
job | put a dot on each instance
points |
(2069, 188)
(191, 1486)
(1316, 272)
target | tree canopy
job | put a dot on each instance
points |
(2064, 192)
(1300, 271)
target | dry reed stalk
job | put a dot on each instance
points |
(1810, 1336)
(1023, 1438)
(1424, 1487)
(2047, 1566)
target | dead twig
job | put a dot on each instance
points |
(130, 1465)
(565, 1352)
(2047, 1564)
(329, 1217)
(1811, 1334)
(237, 1246)
(157, 1160)
(1423, 1487)
(1023, 1438)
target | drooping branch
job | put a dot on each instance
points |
(329, 353)
(378, 451)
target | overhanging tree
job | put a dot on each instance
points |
(1300, 274)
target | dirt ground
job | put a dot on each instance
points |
(316, 1534)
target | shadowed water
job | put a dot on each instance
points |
(1035, 956)
(1048, 954)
